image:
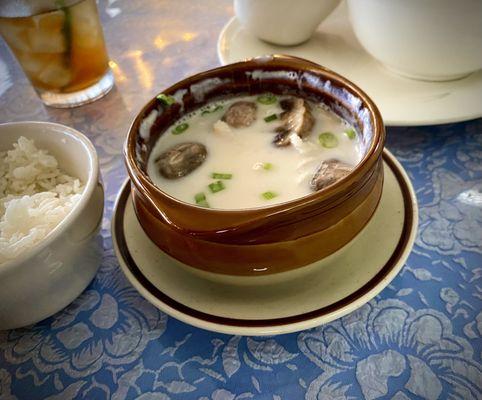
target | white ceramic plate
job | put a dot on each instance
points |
(373, 259)
(402, 101)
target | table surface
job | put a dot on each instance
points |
(419, 339)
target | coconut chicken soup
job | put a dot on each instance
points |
(253, 151)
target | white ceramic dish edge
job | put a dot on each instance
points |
(434, 94)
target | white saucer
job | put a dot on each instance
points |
(373, 259)
(402, 101)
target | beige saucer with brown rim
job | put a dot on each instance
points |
(298, 301)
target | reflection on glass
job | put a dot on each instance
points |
(143, 70)
(5, 78)
(160, 42)
(119, 74)
(188, 36)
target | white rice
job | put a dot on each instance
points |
(35, 196)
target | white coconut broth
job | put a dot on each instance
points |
(260, 173)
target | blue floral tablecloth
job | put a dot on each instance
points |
(419, 339)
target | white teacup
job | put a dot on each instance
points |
(283, 22)
(431, 40)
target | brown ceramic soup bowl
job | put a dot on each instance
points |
(269, 239)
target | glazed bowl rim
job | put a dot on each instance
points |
(89, 187)
(141, 178)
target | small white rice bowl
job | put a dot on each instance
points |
(51, 211)
(35, 196)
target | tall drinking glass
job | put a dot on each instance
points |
(60, 47)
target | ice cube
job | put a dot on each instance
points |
(33, 63)
(47, 41)
(15, 33)
(86, 29)
(50, 22)
(55, 74)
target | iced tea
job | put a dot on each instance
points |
(61, 48)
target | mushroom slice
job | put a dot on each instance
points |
(240, 114)
(328, 173)
(296, 118)
(181, 160)
(282, 138)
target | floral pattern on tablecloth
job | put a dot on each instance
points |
(389, 340)
(419, 339)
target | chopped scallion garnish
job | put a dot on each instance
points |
(216, 186)
(351, 134)
(269, 195)
(200, 197)
(270, 118)
(212, 110)
(328, 140)
(180, 128)
(267, 98)
(165, 99)
(201, 200)
(267, 166)
(218, 175)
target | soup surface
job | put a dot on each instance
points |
(253, 151)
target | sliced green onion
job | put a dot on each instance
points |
(328, 140)
(212, 110)
(203, 204)
(267, 98)
(269, 195)
(201, 200)
(267, 166)
(216, 186)
(351, 134)
(180, 128)
(217, 175)
(200, 197)
(270, 118)
(166, 100)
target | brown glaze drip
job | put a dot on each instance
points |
(279, 237)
